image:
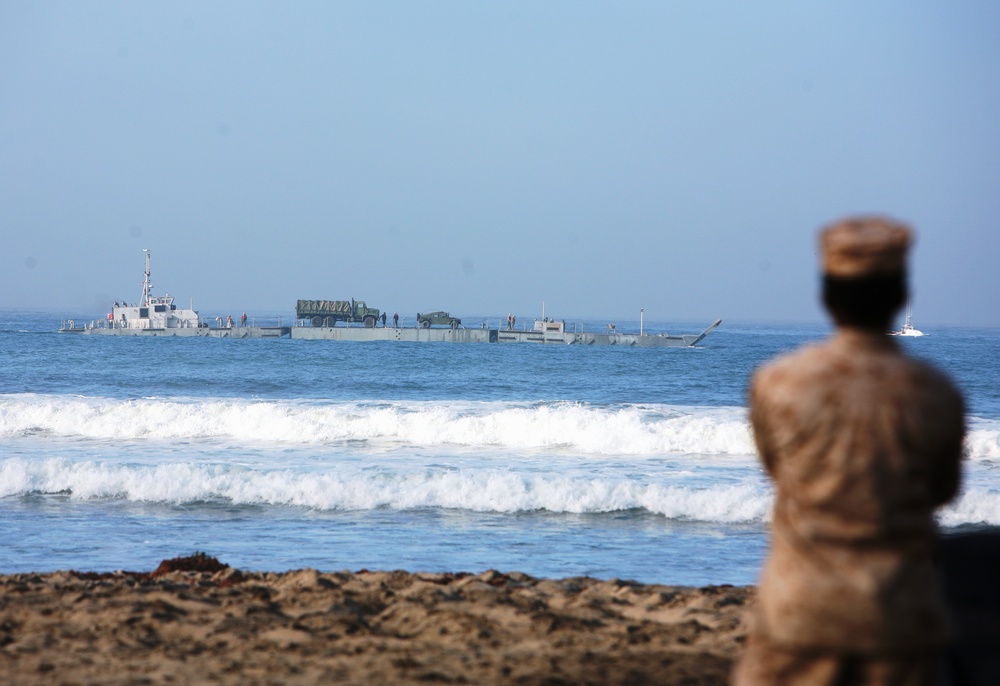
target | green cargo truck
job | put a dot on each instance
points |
(329, 312)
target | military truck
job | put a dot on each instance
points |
(425, 321)
(329, 312)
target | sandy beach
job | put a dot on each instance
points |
(177, 625)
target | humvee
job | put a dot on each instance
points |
(428, 319)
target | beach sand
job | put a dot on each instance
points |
(225, 626)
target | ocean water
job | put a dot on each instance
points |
(118, 452)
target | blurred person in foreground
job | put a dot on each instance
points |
(863, 443)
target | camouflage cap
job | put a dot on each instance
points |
(865, 246)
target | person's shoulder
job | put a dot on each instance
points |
(795, 362)
(792, 372)
(927, 376)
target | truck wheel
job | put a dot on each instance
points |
(330, 321)
(425, 324)
(317, 321)
(453, 323)
(369, 322)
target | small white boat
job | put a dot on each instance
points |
(908, 329)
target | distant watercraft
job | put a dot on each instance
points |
(157, 315)
(908, 329)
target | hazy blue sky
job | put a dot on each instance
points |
(483, 157)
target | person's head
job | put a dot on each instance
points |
(864, 270)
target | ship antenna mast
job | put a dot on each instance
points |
(145, 282)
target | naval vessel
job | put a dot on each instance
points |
(158, 315)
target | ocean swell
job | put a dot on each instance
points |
(572, 427)
(477, 490)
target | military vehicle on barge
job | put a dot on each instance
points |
(438, 318)
(329, 312)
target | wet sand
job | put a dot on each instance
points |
(225, 626)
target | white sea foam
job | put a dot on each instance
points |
(974, 506)
(477, 490)
(487, 490)
(982, 442)
(579, 428)
(570, 427)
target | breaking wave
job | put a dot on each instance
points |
(577, 428)
(572, 427)
(476, 490)
(487, 490)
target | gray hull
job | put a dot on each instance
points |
(446, 335)
(410, 334)
(204, 331)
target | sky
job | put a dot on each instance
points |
(489, 157)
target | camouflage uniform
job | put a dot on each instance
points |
(862, 443)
